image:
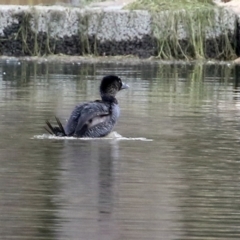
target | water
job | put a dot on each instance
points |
(184, 184)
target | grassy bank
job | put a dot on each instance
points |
(163, 5)
(189, 29)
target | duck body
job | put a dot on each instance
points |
(93, 119)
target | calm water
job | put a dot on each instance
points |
(185, 184)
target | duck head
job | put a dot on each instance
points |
(110, 85)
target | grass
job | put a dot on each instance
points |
(163, 5)
(180, 28)
(87, 2)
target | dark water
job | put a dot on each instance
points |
(185, 184)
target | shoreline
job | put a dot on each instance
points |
(44, 30)
(132, 60)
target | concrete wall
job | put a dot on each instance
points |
(55, 29)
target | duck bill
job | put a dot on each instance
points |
(124, 86)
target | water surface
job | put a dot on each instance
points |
(184, 184)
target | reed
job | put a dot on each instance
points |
(189, 29)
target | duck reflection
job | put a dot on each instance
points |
(88, 188)
(236, 80)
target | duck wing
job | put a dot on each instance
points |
(86, 116)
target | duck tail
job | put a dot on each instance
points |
(60, 126)
(56, 131)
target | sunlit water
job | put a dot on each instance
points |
(177, 178)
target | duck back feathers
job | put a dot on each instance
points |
(92, 119)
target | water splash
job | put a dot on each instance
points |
(110, 136)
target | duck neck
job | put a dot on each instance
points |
(109, 98)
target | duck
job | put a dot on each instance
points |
(93, 119)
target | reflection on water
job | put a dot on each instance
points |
(182, 185)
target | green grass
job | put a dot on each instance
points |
(87, 2)
(170, 18)
(163, 5)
